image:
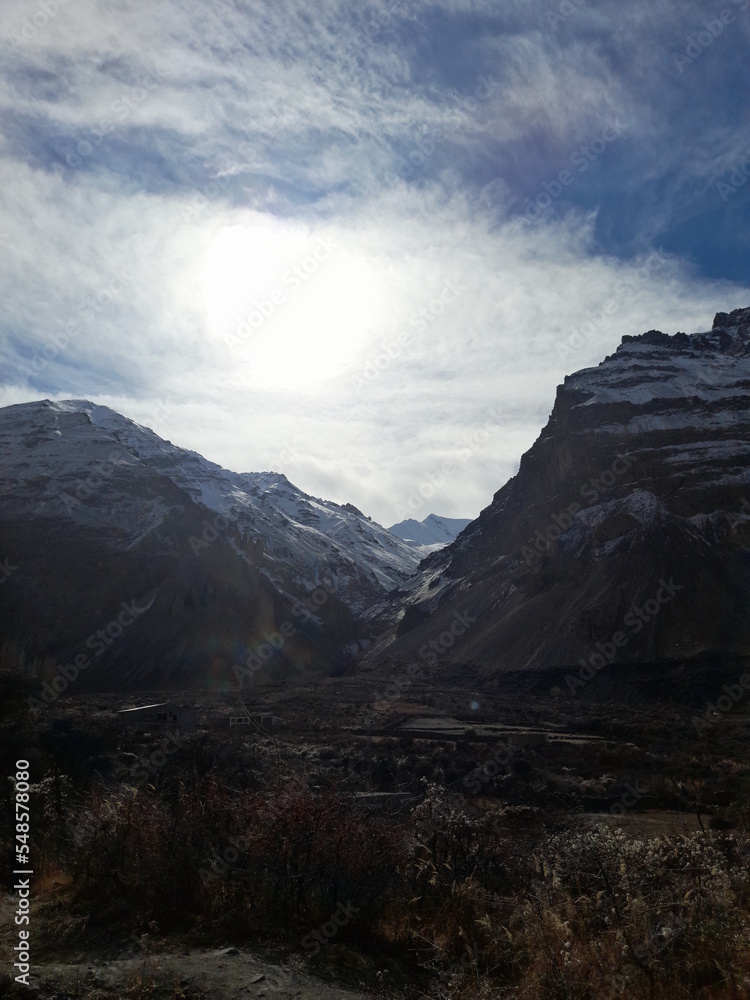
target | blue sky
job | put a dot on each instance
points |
(360, 244)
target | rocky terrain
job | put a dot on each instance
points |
(625, 535)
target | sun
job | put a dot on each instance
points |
(291, 308)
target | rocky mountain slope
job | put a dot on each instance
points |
(96, 511)
(624, 536)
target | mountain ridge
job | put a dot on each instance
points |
(247, 499)
(638, 476)
(624, 536)
(225, 558)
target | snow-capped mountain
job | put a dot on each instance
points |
(624, 537)
(96, 510)
(625, 534)
(431, 534)
(57, 445)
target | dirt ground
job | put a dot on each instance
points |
(176, 974)
(192, 975)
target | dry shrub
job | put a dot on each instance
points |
(491, 902)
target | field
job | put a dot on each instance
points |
(396, 840)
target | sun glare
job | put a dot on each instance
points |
(290, 308)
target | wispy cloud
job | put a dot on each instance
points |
(205, 148)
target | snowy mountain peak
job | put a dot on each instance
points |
(430, 534)
(100, 416)
(730, 334)
(265, 482)
(738, 319)
(654, 368)
(79, 461)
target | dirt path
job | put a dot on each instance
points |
(176, 974)
(192, 975)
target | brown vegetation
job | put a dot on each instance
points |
(511, 893)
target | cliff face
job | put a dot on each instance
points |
(625, 533)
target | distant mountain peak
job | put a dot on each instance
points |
(430, 534)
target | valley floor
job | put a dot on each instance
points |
(511, 844)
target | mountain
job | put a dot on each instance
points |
(624, 536)
(431, 534)
(96, 510)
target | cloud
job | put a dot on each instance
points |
(166, 171)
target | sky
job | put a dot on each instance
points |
(362, 243)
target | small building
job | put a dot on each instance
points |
(255, 721)
(158, 718)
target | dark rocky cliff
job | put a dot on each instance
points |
(627, 526)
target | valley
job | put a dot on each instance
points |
(278, 749)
